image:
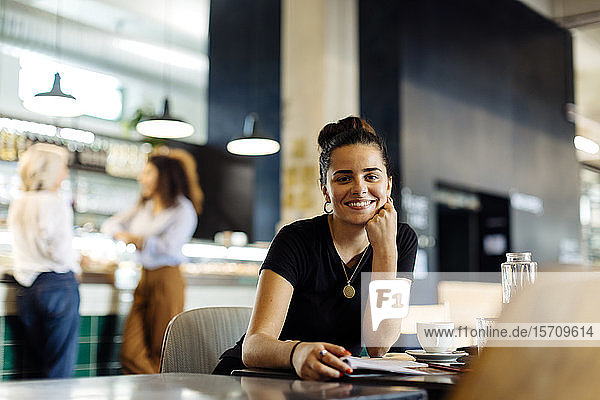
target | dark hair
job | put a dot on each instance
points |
(347, 131)
(172, 179)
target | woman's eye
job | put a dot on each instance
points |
(342, 179)
(372, 177)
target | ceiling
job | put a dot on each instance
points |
(187, 20)
(88, 31)
(89, 28)
(582, 18)
(150, 46)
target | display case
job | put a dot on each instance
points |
(104, 260)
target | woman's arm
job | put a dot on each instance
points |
(119, 222)
(261, 347)
(381, 230)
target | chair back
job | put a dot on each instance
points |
(195, 339)
(470, 300)
(424, 313)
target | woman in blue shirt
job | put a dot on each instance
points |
(159, 225)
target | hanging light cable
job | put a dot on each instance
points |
(55, 103)
(253, 142)
(165, 125)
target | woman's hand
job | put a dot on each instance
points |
(381, 229)
(320, 361)
(129, 238)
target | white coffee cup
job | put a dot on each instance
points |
(435, 337)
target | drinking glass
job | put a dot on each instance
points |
(484, 331)
(517, 272)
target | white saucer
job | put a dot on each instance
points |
(422, 355)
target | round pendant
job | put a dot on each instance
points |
(348, 291)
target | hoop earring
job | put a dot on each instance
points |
(325, 208)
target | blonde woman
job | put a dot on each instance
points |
(44, 265)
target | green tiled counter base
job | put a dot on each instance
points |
(99, 343)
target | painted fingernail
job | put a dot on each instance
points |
(347, 353)
(348, 371)
(340, 374)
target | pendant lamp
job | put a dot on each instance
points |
(165, 125)
(252, 143)
(55, 103)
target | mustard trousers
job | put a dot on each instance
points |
(157, 299)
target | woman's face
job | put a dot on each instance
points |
(148, 179)
(357, 183)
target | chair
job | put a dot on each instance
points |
(470, 300)
(195, 339)
(424, 313)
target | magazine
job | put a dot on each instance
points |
(386, 364)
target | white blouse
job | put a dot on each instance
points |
(42, 228)
(163, 234)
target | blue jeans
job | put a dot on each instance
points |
(49, 309)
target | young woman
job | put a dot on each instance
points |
(308, 305)
(159, 225)
(48, 293)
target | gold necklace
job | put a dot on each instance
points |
(348, 290)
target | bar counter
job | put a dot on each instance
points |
(103, 309)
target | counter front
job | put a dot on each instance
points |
(215, 276)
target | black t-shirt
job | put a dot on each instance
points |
(303, 253)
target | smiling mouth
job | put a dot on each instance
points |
(359, 205)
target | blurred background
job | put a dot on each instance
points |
(490, 110)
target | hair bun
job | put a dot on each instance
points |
(333, 129)
(328, 132)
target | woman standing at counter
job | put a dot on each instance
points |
(159, 225)
(308, 305)
(48, 293)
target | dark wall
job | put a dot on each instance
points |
(227, 182)
(482, 88)
(380, 74)
(244, 77)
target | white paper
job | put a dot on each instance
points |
(385, 364)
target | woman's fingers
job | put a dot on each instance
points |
(381, 229)
(333, 361)
(322, 361)
(325, 371)
(330, 356)
(339, 351)
(388, 206)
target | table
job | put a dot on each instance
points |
(197, 386)
(437, 385)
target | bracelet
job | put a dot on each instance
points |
(292, 353)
